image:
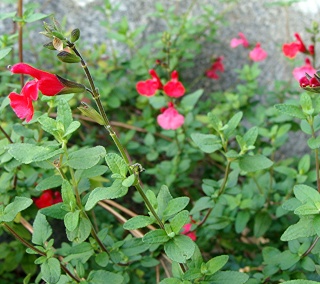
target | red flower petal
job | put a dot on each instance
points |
(48, 83)
(147, 88)
(174, 88)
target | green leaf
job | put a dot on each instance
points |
(4, 52)
(242, 220)
(314, 143)
(251, 135)
(41, 230)
(162, 200)
(129, 180)
(86, 158)
(262, 222)
(302, 229)
(316, 224)
(11, 210)
(71, 220)
(215, 121)
(180, 248)
(51, 270)
(178, 221)
(232, 125)
(307, 209)
(138, 222)
(74, 125)
(54, 211)
(116, 190)
(228, 277)
(158, 236)
(81, 233)
(189, 101)
(306, 103)
(48, 183)
(82, 252)
(102, 259)
(100, 277)
(28, 153)
(50, 125)
(202, 203)
(254, 163)
(116, 164)
(33, 17)
(64, 114)
(291, 110)
(171, 281)
(68, 195)
(175, 205)
(308, 264)
(288, 259)
(306, 193)
(207, 143)
(216, 263)
(95, 171)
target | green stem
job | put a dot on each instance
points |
(96, 97)
(30, 246)
(316, 151)
(221, 190)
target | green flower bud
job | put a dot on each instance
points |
(70, 86)
(75, 35)
(58, 35)
(90, 112)
(67, 57)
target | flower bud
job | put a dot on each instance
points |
(49, 46)
(57, 44)
(58, 35)
(75, 35)
(90, 112)
(70, 86)
(67, 57)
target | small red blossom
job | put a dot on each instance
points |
(47, 198)
(170, 118)
(149, 87)
(174, 87)
(49, 85)
(300, 72)
(291, 49)
(242, 40)
(187, 231)
(258, 53)
(217, 66)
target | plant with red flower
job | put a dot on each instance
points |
(187, 231)
(49, 85)
(300, 72)
(239, 41)
(47, 198)
(170, 118)
(258, 53)
(217, 66)
(149, 87)
(174, 87)
(291, 49)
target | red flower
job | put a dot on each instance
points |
(149, 87)
(300, 72)
(216, 66)
(47, 198)
(187, 231)
(170, 118)
(258, 53)
(174, 88)
(239, 41)
(49, 85)
(291, 49)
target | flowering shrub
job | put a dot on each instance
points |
(134, 176)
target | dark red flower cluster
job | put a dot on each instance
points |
(47, 198)
(170, 117)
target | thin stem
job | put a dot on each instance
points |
(316, 151)
(311, 247)
(20, 37)
(5, 134)
(28, 245)
(96, 97)
(221, 190)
